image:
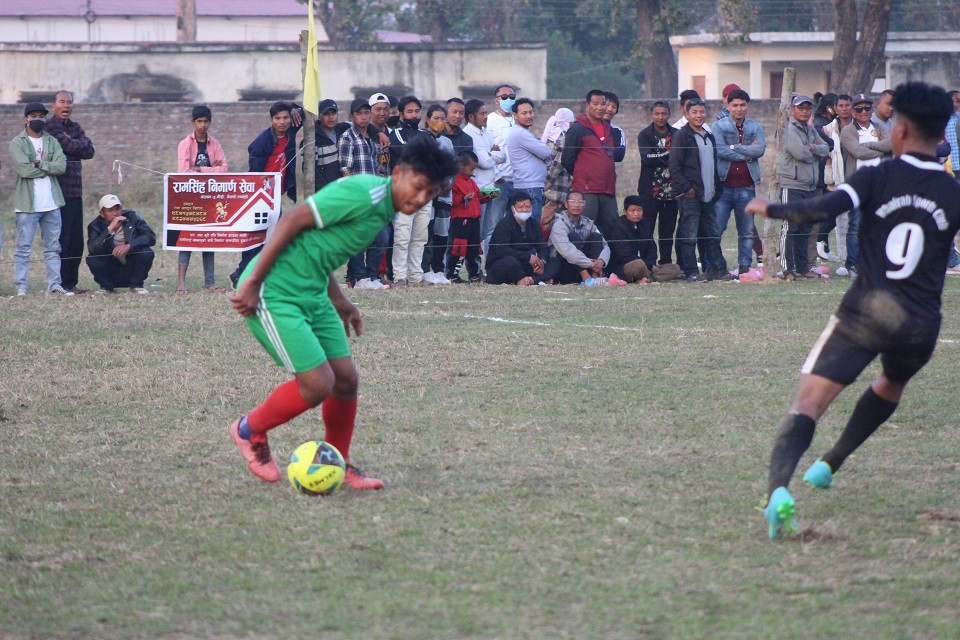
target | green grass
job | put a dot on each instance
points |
(560, 463)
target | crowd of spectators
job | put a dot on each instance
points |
(527, 208)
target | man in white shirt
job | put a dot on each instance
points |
(37, 158)
(489, 156)
(499, 123)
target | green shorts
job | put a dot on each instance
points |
(300, 334)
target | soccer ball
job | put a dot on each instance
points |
(316, 468)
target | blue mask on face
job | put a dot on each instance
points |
(507, 104)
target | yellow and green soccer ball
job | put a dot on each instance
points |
(316, 468)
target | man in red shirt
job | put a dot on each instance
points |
(589, 152)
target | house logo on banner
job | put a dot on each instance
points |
(225, 212)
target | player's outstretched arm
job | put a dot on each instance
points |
(347, 310)
(247, 297)
(757, 207)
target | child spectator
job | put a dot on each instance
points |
(465, 221)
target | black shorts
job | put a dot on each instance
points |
(847, 346)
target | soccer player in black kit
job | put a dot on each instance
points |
(911, 212)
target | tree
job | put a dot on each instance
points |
(855, 62)
(654, 50)
(351, 21)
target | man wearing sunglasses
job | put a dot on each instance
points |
(862, 145)
(498, 125)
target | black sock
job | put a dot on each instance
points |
(793, 439)
(871, 412)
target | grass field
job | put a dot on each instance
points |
(560, 463)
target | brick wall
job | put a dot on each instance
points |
(147, 135)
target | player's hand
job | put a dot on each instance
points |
(757, 207)
(296, 117)
(246, 298)
(350, 315)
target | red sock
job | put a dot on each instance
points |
(283, 405)
(339, 418)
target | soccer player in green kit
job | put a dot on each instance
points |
(296, 310)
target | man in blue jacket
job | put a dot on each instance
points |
(274, 151)
(740, 145)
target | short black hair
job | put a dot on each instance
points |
(201, 111)
(632, 201)
(472, 107)
(392, 100)
(886, 92)
(518, 196)
(575, 191)
(738, 94)
(457, 100)
(926, 107)
(595, 92)
(432, 109)
(405, 100)
(660, 103)
(688, 94)
(467, 156)
(278, 107)
(496, 92)
(844, 96)
(612, 97)
(424, 156)
(520, 101)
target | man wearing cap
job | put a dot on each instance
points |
(119, 247)
(38, 159)
(326, 137)
(77, 147)
(379, 112)
(200, 152)
(862, 145)
(724, 95)
(361, 153)
(798, 172)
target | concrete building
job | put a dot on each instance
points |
(706, 64)
(245, 50)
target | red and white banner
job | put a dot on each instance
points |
(219, 212)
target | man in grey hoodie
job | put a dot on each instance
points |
(798, 171)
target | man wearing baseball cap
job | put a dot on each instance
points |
(862, 145)
(798, 172)
(119, 247)
(326, 136)
(38, 159)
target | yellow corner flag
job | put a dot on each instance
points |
(311, 77)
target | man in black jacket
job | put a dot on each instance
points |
(654, 184)
(517, 250)
(632, 257)
(118, 244)
(695, 182)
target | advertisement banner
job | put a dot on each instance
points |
(219, 211)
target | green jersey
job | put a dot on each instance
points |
(349, 214)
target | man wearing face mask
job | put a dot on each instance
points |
(499, 122)
(409, 231)
(38, 159)
(77, 147)
(517, 250)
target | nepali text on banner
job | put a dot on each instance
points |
(219, 212)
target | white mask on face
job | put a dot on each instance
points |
(522, 216)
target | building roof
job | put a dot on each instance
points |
(79, 8)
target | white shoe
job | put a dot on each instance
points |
(832, 257)
(59, 291)
(21, 290)
(377, 284)
(431, 278)
(139, 291)
(439, 278)
(842, 272)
